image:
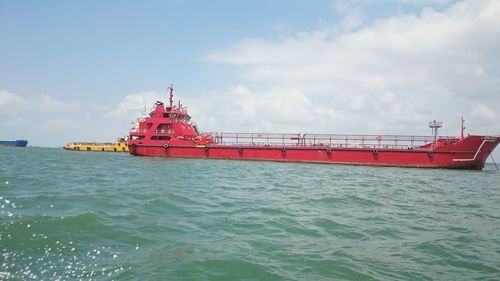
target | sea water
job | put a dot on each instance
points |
(67, 215)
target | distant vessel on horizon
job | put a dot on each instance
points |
(168, 132)
(16, 143)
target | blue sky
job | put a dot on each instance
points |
(83, 70)
(87, 49)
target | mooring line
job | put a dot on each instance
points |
(491, 155)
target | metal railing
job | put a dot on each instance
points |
(332, 140)
(92, 143)
(145, 131)
(298, 140)
(164, 131)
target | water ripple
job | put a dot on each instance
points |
(70, 216)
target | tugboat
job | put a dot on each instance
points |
(169, 132)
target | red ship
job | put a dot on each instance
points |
(169, 132)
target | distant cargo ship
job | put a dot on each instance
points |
(119, 146)
(16, 143)
(168, 132)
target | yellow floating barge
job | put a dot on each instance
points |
(119, 146)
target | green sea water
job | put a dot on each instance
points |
(67, 215)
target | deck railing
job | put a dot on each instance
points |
(145, 131)
(333, 140)
(92, 143)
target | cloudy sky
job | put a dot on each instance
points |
(82, 71)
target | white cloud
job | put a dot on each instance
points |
(10, 102)
(483, 111)
(48, 103)
(58, 124)
(241, 109)
(426, 2)
(42, 119)
(134, 104)
(352, 14)
(392, 75)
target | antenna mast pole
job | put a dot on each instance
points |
(462, 128)
(171, 98)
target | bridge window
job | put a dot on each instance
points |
(160, 138)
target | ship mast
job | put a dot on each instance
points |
(462, 128)
(171, 93)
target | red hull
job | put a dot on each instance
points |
(469, 153)
(168, 132)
